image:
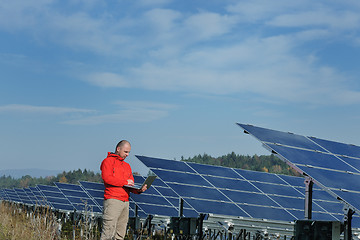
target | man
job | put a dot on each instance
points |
(116, 173)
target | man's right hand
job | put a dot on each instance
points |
(130, 182)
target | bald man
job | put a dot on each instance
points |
(116, 173)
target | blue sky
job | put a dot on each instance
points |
(172, 77)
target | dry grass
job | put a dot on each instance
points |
(16, 223)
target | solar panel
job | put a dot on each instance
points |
(40, 199)
(31, 196)
(23, 196)
(78, 197)
(152, 202)
(3, 195)
(241, 193)
(55, 198)
(12, 195)
(158, 200)
(334, 166)
(95, 191)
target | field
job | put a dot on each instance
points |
(41, 224)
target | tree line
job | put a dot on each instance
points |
(64, 177)
(263, 163)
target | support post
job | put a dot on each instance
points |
(181, 207)
(150, 217)
(136, 221)
(308, 197)
(200, 226)
(347, 223)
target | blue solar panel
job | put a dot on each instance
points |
(12, 195)
(237, 192)
(272, 136)
(338, 148)
(181, 177)
(31, 195)
(333, 179)
(95, 191)
(293, 181)
(40, 199)
(276, 189)
(93, 186)
(265, 212)
(319, 194)
(333, 166)
(171, 165)
(215, 207)
(160, 188)
(249, 198)
(213, 170)
(3, 195)
(160, 199)
(234, 184)
(151, 202)
(198, 192)
(23, 196)
(55, 198)
(155, 202)
(78, 197)
(312, 158)
(333, 207)
(259, 176)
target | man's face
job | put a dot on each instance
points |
(124, 151)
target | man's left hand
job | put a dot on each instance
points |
(143, 189)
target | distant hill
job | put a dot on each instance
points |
(33, 172)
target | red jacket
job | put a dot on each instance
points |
(115, 172)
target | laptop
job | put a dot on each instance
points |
(148, 181)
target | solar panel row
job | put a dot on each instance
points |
(237, 192)
(89, 196)
(334, 166)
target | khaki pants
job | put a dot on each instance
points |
(115, 218)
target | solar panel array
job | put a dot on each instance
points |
(89, 196)
(205, 189)
(242, 193)
(333, 166)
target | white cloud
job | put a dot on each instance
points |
(206, 25)
(262, 66)
(123, 116)
(256, 10)
(17, 14)
(162, 20)
(145, 105)
(130, 111)
(321, 18)
(107, 79)
(148, 3)
(19, 108)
